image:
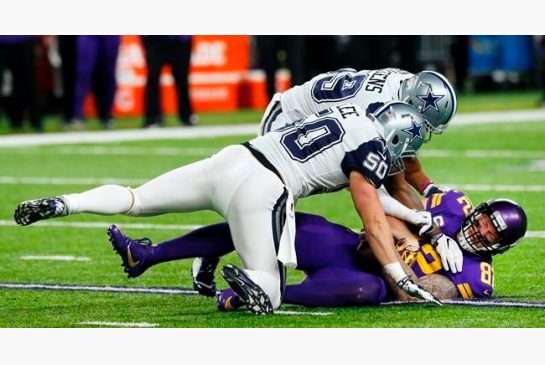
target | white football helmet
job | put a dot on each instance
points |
(432, 95)
(403, 130)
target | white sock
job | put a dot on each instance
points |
(104, 200)
(269, 283)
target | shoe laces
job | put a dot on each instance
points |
(142, 241)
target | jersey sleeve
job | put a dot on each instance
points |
(371, 159)
(476, 281)
(449, 210)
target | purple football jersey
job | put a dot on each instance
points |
(477, 277)
(449, 210)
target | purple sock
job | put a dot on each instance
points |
(210, 241)
(337, 287)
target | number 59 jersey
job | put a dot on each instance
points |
(369, 89)
(316, 154)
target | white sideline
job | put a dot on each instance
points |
(179, 227)
(55, 258)
(120, 324)
(207, 151)
(35, 180)
(152, 290)
(294, 313)
(462, 119)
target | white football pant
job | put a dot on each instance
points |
(233, 183)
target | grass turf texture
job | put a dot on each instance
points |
(519, 274)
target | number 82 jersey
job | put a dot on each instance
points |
(316, 154)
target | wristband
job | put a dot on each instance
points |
(422, 187)
(395, 271)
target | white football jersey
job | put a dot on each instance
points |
(369, 89)
(316, 154)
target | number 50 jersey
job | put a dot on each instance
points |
(316, 154)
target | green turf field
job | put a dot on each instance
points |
(515, 159)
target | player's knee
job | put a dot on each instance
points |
(372, 291)
(136, 206)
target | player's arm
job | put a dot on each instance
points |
(400, 189)
(379, 235)
(367, 204)
(438, 285)
(417, 178)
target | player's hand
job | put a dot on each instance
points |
(415, 290)
(450, 252)
(435, 189)
(423, 219)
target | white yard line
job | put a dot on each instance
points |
(104, 225)
(127, 135)
(434, 153)
(483, 303)
(206, 151)
(120, 324)
(108, 289)
(462, 119)
(295, 313)
(113, 150)
(477, 303)
(37, 180)
(55, 258)
(178, 227)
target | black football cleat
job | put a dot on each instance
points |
(255, 299)
(202, 273)
(32, 211)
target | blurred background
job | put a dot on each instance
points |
(51, 83)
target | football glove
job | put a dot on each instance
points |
(414, 290)
(452, 257)
(421, 218)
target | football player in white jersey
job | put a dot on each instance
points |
(254, 187)
(428, 91)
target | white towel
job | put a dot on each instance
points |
(286, 249)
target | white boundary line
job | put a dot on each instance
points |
(207, 151)
(106, 289)
(55, 258)
(294, 313)
(483, 303)
(178, 227)
(120, 324)
(30, 180)
(531, 115)
(476, 303)
(104, 225)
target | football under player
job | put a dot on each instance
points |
(254, 187)
(339, 269)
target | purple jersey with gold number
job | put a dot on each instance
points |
(449, 211)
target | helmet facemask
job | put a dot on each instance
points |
(471, 238)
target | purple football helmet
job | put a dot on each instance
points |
(508, 219)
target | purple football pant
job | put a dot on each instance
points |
(326, 252)
(96, 57)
